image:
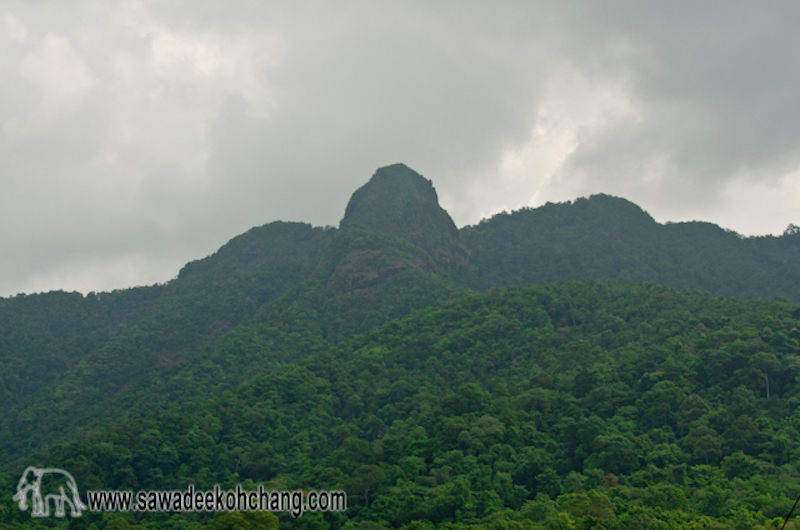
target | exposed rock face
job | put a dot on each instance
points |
(399, 201)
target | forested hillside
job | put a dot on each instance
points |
(292, 289)
(289, 357)
(563, 406)
(609, 237)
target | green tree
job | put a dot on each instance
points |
(243, 521)
(665, 397)
(765, 361)
(366, 479)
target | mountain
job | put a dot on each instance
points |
(235, 335)
(401, 202)
(300, 289)
(62, 375)
(612, 238)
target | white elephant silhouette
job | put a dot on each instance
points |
(47, 484)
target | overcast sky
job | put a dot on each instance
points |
(137, 136)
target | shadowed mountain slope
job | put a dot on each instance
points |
(63, 368)
(399, 201)
(612, 238)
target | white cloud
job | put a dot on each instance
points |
(760, 207)
(15, 29)
(574, 107)
(63, 78)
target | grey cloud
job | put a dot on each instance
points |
(715, 83)
(207, 118)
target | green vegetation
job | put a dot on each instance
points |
(567, 405)
(69, 356)
(605, 237)
(401, 202)
(381, 358)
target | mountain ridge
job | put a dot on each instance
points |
(303, 289)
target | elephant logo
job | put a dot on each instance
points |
(46, 485)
